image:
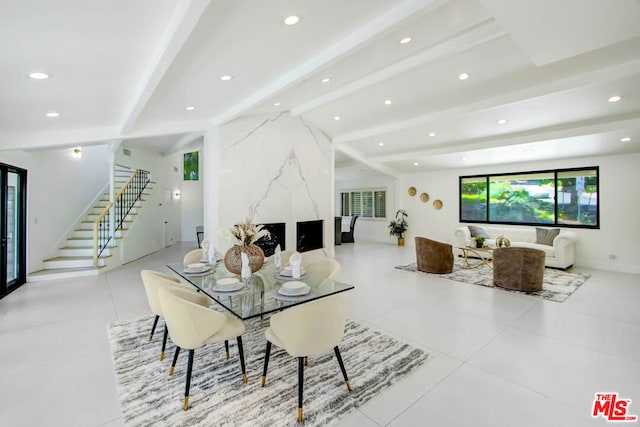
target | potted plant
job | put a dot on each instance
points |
(398, 226)
(479, 242)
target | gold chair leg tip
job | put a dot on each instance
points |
(264, 381)
(171, 371)
(244, 378)
(228, 357)
(162, 356)
(150, 337)
(299, 415)
(186, 404)
(348, 386)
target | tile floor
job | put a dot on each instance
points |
(498, 359)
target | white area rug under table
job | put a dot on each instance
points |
(149, 396)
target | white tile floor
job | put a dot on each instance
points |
(498, 359)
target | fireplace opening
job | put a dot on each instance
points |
(309, 235)
(268, 246)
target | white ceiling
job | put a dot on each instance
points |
(126, 70)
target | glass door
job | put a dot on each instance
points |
(13, 234)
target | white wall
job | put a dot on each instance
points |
(619, 206)
(159, 208)
(276, 169)
(191, 199)
(373, 229)
(59, 189)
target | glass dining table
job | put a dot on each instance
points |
(262, 293)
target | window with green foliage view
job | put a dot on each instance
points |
(567, 197)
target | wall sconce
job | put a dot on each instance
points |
(77, 153)
(176, 194)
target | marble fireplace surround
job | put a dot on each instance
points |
(274, 169)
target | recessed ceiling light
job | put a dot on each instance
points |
(52, 114)
(336, 118)
(501, 121)
(276, 104)
(416, 164)
(387, 102)
(39, 75)
(464, 159)
(326, 80)
(432, 134)
(226, 77)
(463, 76)
(405, 40)
(190, 108)
(615, 98)
(625, 139)
(380, 144)
(292, 20)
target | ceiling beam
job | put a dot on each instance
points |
(567, 130)
(543, 88)
(464, 40)
(184, 20)
(404, 10)
(356, 155)
(183, 142)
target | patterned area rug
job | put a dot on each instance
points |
(148, 396)
(557, 286)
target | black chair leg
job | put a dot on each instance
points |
(241, 353)
(344, 371)
(175, 359)
(300, 383)
(186, 390)
(153, 328)
(266, 363)
(226, 347)
(164, 341)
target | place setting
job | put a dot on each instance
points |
(197, 269)
(228, 285)
(292, 291)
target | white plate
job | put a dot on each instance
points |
(286, 271)
(295, 293)
(196, 267)
(294, 286)
(235, 287)
(227, 282)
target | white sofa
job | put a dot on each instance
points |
(560, 255)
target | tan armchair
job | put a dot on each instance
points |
(433, 256)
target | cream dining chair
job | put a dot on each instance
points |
(153, 281)
(327, 267)
(308, 329)
(192, 325)
(193, 256)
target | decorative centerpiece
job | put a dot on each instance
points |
(399, 226)
(244, 235)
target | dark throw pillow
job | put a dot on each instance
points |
(478, 231)
(545, 236)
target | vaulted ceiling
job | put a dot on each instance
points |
(382, 78)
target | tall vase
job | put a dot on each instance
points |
(233, 258)
(400, 241)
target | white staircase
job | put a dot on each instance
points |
(75, 257)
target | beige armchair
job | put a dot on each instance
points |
(328, 267)
(153, 281)
(308, 329)
(191, 326)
